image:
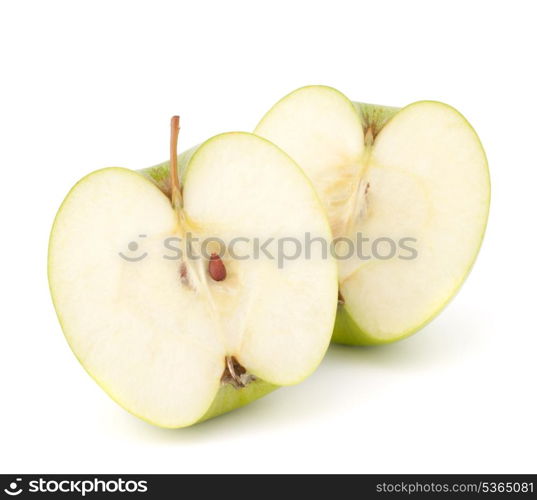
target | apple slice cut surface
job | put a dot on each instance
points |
(411, 183)
(156, 331)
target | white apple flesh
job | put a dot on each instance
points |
(418, 172)
(174, 341)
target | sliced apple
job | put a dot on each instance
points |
(175, 341)
(413, 177)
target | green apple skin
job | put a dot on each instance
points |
(229, 398)
(374, 116)
(160, 174)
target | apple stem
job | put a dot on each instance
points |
(177, 197)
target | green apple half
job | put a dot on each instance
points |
(167, 339)
(389, 176)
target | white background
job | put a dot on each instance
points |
(92, 84)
